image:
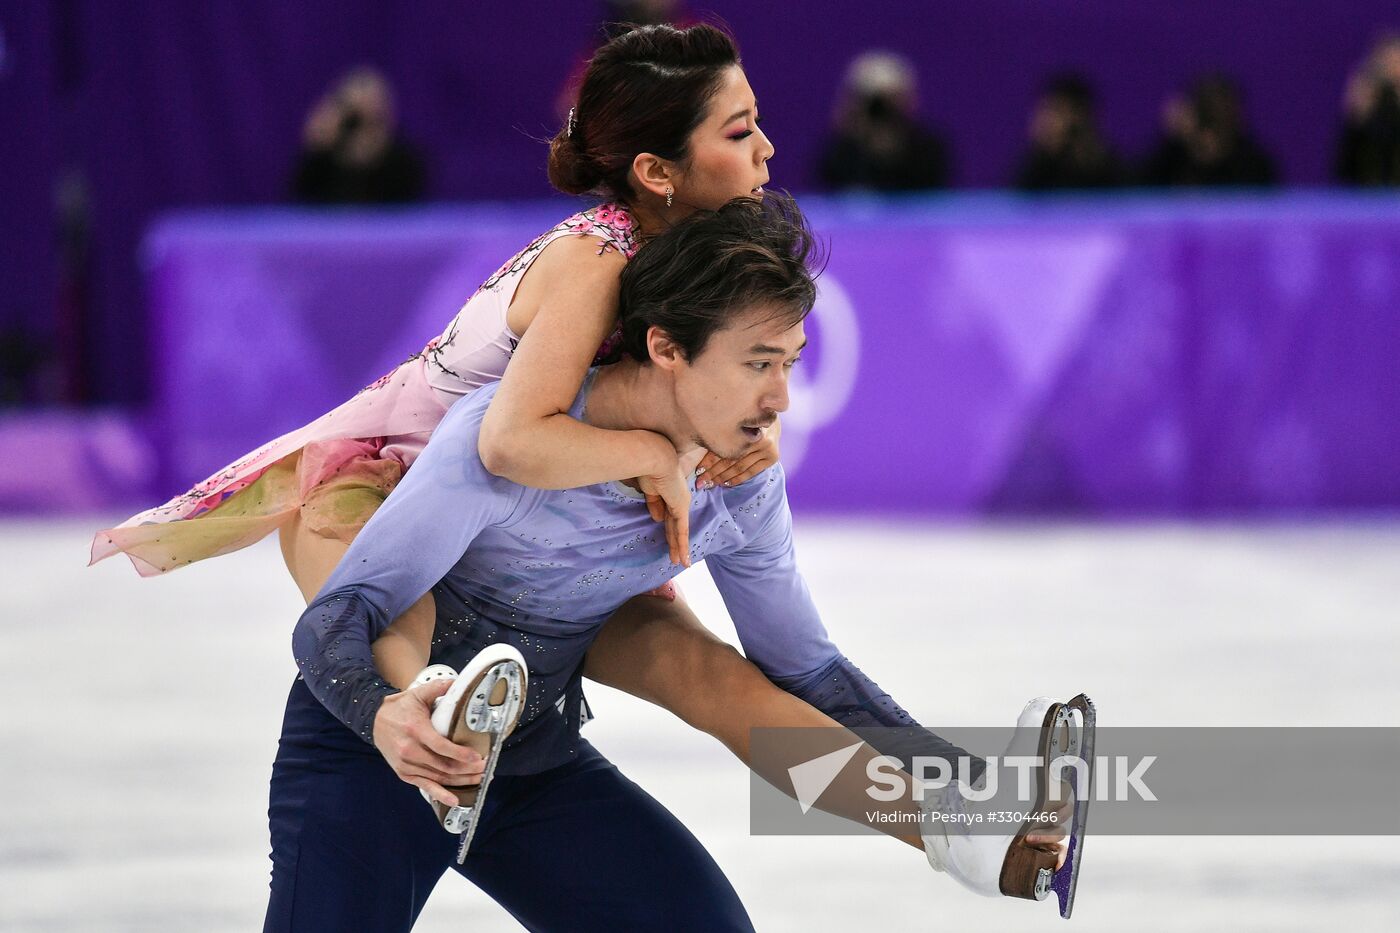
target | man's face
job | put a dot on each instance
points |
(733, 390)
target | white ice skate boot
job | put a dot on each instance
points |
(434, 672)
(996, 864)
(479, 710)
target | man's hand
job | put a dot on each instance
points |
(404, 735)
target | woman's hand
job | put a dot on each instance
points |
(668, 500)
(716, 471)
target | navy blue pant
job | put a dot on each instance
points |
(575, 848)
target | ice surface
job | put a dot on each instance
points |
(141, 717)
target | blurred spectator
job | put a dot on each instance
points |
(73, 310)
(22, 357)
(351, 151)
(1207, 142)
(878, 143)
(1369, 151)
(1066, 148)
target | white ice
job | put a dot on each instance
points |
(140, 719)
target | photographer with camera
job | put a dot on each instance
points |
(1067, 150)
(878, 143)
(351, 153)
(1207, 142)
(1369, 150)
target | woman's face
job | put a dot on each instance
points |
(728, 152)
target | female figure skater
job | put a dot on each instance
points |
(666, 124)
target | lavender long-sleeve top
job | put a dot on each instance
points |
(543, 569)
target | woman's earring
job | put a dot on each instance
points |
(669, 193)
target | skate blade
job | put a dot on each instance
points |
(1066, 880)
(467, 828)
(487, 715)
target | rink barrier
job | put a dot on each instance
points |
(971, 355)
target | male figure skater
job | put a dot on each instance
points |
(712, 322)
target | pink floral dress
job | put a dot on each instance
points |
(336, 470)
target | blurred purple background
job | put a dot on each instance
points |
(969, 355)
(153, 105)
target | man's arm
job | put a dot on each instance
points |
(782, 633)
(410, 543)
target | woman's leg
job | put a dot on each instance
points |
(659, 651)
(402, 651)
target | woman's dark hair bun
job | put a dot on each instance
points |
(569, 169)
(644, 91)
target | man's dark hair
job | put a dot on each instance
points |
(714, 266)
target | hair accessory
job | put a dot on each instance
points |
(569, 127)
(669, 192)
